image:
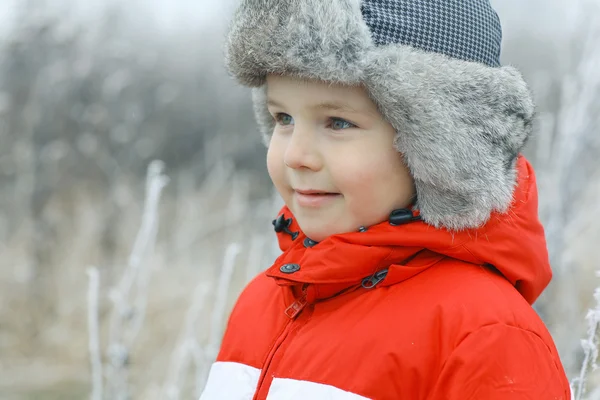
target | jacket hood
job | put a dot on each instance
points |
(512, 242)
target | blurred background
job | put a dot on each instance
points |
(112, 273)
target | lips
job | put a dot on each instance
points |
(314, 198)
(314, 192)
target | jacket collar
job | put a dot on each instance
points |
(344, 261)
(512, 242)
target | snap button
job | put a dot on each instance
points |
(308, 242)
(289, 268)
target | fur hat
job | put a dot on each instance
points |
(432, 68)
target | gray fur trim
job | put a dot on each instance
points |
(460, 124)
(460, 127)
(265, 120)
(304, 38)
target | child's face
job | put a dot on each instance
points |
(332, 158)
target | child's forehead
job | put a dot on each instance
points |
(317, 94)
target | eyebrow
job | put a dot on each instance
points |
(334, 107)
(328, 106)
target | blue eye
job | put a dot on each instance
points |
(338, 124)
(284, 119)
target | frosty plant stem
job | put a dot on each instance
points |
(590, 348)
(219, 311)
(130, 295)
(94, 342)
(188, 346)
(219, 314)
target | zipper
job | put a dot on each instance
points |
(372, 281)
(296, 307)
(291, 312)
(267, 364)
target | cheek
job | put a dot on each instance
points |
(357, 179)
(376, 182)
(275, 164)
(357, 171)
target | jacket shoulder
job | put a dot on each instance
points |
(499, 361)
(475, 296)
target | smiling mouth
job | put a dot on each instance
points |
(314, 192)
(314, 198)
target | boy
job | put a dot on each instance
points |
(411, 243)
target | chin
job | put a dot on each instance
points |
(319, 226)
(318, 234)
(318, 237)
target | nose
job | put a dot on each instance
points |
(302, 150)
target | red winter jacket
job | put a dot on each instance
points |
(450, 319)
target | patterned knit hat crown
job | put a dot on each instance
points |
(469, 30)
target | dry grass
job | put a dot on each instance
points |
(48, 332)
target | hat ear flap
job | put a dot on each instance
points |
(460, 127)
(265, 120)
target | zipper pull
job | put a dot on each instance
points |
(372, 281)
(296, 307)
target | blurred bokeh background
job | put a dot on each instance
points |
(91, 92)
